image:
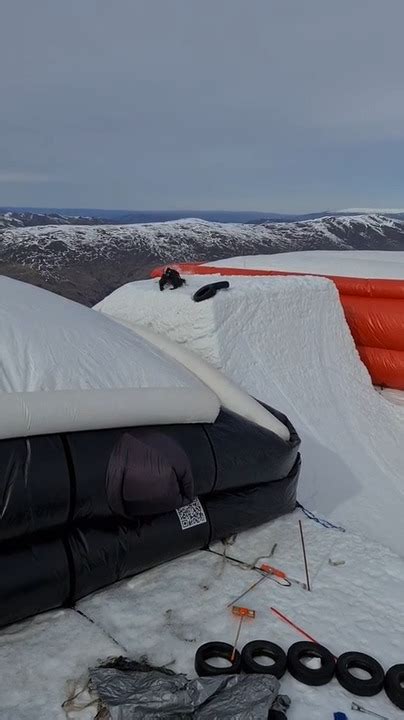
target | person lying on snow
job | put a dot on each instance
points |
(171, 277)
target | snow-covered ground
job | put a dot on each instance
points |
(347, 263)
(286, 341)
(166, 613)
(394, 396)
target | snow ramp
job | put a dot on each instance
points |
(372, 298)
(286, 342)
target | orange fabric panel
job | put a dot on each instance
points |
(386, 367)
(382, 288)
(375, 322)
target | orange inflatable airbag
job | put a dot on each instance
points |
(374, 310)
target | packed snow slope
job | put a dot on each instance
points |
(372, 298)
(344, 263)
(286, 341)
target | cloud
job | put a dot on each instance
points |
(23, 177)
(240, 103)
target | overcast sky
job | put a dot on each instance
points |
(284, 105)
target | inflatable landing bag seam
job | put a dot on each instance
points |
(148, 474)
(28, 505)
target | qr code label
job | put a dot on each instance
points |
(191, 515)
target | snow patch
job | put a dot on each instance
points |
(346, 263)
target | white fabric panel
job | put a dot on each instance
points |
(65, 367)
(50, 343)
(40, 413)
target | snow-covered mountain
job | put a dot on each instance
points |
(20, 218)
(85, 262)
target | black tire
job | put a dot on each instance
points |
(392, 685)
(262, 647)
(304, 674)
(209, 291)
(356, 686)
(216, 650)
(276, 715)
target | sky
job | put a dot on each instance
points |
(273, 105)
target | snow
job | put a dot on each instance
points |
(394, 396)
(166, 613)
(347, 263)
(153, 236)
(40, 658)
(286, 342)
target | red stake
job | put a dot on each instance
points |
(296, 627)
(292, 624)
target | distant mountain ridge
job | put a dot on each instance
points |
(26, 217)
(85, 262)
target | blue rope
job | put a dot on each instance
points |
(320, 521)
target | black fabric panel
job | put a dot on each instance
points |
(37, 578)
(237, 510)
(195, 443)
(91, 452)
(95, 556)
(33, 579)
(103, 556)
(60, 539)
(247, 454)
(34, 486)
(148, 474)
(43, 478)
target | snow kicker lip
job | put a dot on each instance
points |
(373, 308)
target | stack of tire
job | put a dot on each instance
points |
(294, 662)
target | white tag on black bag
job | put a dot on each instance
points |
(191, 515)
